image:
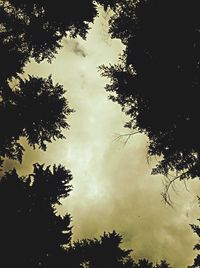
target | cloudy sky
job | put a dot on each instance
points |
(113, 188)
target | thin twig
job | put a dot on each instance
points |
(127, 135)
(169, 183)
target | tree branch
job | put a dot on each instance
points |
(169, 183)
(127, 136)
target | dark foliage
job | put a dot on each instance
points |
(35, 28)
(113, 4)
(163, 264)
(37, 110)
(196, 230)
(144, 263)
(157, 81)
(31, 233)
(105, 252)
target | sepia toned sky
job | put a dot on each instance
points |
(113, 187)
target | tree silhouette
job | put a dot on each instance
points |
(32, 235)
(34, 29)
(144, 263)
(37, 27)
(163, 264)
(35, 108)
(157, 79)
(105, 252)
(196, 229)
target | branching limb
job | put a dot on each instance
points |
(127, 136)
(168, 184)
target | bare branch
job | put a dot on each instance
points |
(127, 136)
(169, 183)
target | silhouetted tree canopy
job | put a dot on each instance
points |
(158, 77)
(94, 253)
(32, 235)
(163, 264)
(34, 29)
(37, 110)
(105, 252)
(196, 230)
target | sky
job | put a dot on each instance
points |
(113, 188)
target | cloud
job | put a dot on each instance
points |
(74, 46)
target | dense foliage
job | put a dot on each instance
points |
(35, 108)
(105, 252)
(32, 235)
(157, 80)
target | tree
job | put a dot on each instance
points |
(32, 235)
(196, 229)
(105, 252)
(163, 264)
(34, 29)
(35, 108)
(157, 79)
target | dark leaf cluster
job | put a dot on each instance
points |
(158, 78)
(32, 235)
(37, 110)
